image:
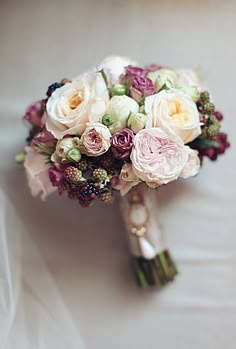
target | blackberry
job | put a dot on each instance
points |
(82, 165)
(89, 190)
(99, 175)
(63, 187)
(106, 160)
(107, 196)
(73, 174)
(52, 88)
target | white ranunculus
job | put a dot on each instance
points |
(37, 173)
(193, 164)
(63, 147)
(161, 77)
(71, 106)
(120, 108)
(114, 66)
(173, 110)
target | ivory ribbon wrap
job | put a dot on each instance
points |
(144, 212)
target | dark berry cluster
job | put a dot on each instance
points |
(53, 88)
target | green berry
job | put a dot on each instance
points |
(107, 120)
(107, 197)
(73, 174)
(208, 108)
(99, 175)
(204, 96)
(82, 165)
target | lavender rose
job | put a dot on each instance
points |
(141, 87)
(122, 143)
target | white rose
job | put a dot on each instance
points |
(63, 147)
(120, 108)
(193, 164)
(189, 77)
(137, 122)
(71, 106)
(114, 66)
(175, 111)
(95, 140)
(37, 173)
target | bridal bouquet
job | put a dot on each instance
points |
(123, 128)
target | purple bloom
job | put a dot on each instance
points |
(56, 176)
(122, 143)
(134, 71)
(141, 87)
(44, 136)
(34, 114)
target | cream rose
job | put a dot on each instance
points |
(127, 179)
(73, 105)
(175, 111)
(120, 108)
(37, 173)
(158, 156)
(63, 147)
(193, 164)
(95, 140)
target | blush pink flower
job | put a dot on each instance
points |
(122, 143)
(158, 157)
(34, 114)
(95, 140)
(126, 180)
(36, 167)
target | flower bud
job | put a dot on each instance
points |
(118, 90)
(20, 158)
(63, 147)
(137, 122)
(191, 91)
(163, 77)
(107, 120)
(74, 155)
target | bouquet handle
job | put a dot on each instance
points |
(151, 260)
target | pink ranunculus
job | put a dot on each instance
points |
(126, 180)
(36, 167)
(95, 140)
(34, 114)
(141, 87)
(158, 157)
(122, 143)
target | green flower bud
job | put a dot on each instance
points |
(74, 155)
(163, 77)
(20, 158)
(118, 90)
(107, 120)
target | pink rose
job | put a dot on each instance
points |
(141, 87)
(34, 114)
(130, 73)
(158, 157)
(122, 143)
(95, 140)
(36, 167)
(43, 136)
(193, 164)
(126, 179)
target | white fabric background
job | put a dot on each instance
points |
(86, 250)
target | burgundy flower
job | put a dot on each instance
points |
(122, 143)
(56, 176)
(43, 136)
(34, 114)
(143, 85)
(218, 115)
